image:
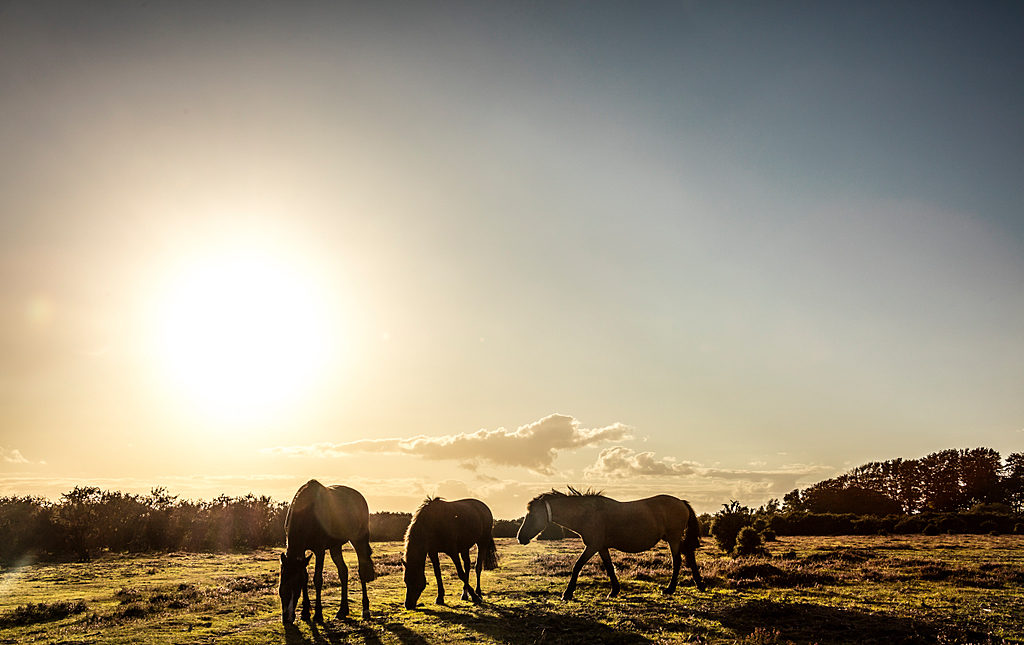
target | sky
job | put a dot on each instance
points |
(715, 250)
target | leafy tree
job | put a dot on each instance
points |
(851, 499)
(1013, 481)
(791, 501)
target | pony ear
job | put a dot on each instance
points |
(403, 562)
(308, 558)
(284, 558)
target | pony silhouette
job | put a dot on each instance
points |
(451, 528)
(322, 518)
(605, 523)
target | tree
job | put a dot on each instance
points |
(852, 499)
(791, 501)
(1013, 481)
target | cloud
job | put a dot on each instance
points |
(534, 446)
(617, 463)
(622, 462)
(12, 456)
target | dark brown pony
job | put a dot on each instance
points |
(604, 524)
(323, 518)
(452, 528)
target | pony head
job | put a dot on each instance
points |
(538, 516)
(294, 579)
(415, 582)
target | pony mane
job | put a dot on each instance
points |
(412, 522)
(573, 492)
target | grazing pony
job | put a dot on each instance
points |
(323, 518)
(604, 524)
(447, 527)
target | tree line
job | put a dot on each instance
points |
(947, 481)
(959, 491)
(950, 491)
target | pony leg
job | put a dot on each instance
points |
(318, 583)
(479, 568)
(674, 546)
(464, 576)
(691, 561)
(366, 572)
(305, 602)
(436, 562)
(606, 559)
(588, 552)
(339, 561)
(468, 567)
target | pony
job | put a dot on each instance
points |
(447, 527)
(322, 518)
(605, 523)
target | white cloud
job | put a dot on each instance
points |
(12, 456)
(534, 446)
(622, 462)
(619, 464)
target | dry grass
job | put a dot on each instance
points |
(953, 589)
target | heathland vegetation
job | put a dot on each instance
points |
(952, 491)
(823, 589)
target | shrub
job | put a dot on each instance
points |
(768, 535)
(931, 529)
(386, 526)
(990, 527)
(506, 528)
(42, 612)
(1018, 528)
(727, 524)
(748, 542)
(952, 524)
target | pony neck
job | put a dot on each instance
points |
(294, 552)
(416, 549)
(560, 513)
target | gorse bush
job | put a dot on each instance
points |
(387, 526)
(88, 520)
(42, 612)
(728, 522)
(748, 542)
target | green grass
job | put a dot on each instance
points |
(950, 589)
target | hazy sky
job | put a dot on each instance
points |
(718, 250)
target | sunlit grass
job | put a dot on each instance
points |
(834, 589)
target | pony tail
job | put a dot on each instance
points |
(489, 552)
(691, 536)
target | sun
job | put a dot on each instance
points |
(243, 335)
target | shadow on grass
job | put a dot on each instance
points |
(808, 623)
(333, 632)
(535, 625)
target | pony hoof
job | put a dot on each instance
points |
(304, 617)
(439, 601)
(318, 618)
(341, 615)
(566, 597)
(668, 591)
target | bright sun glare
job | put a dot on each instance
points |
(243, 335)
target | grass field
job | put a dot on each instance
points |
(952, 589)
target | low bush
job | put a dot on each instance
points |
(748, 542)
